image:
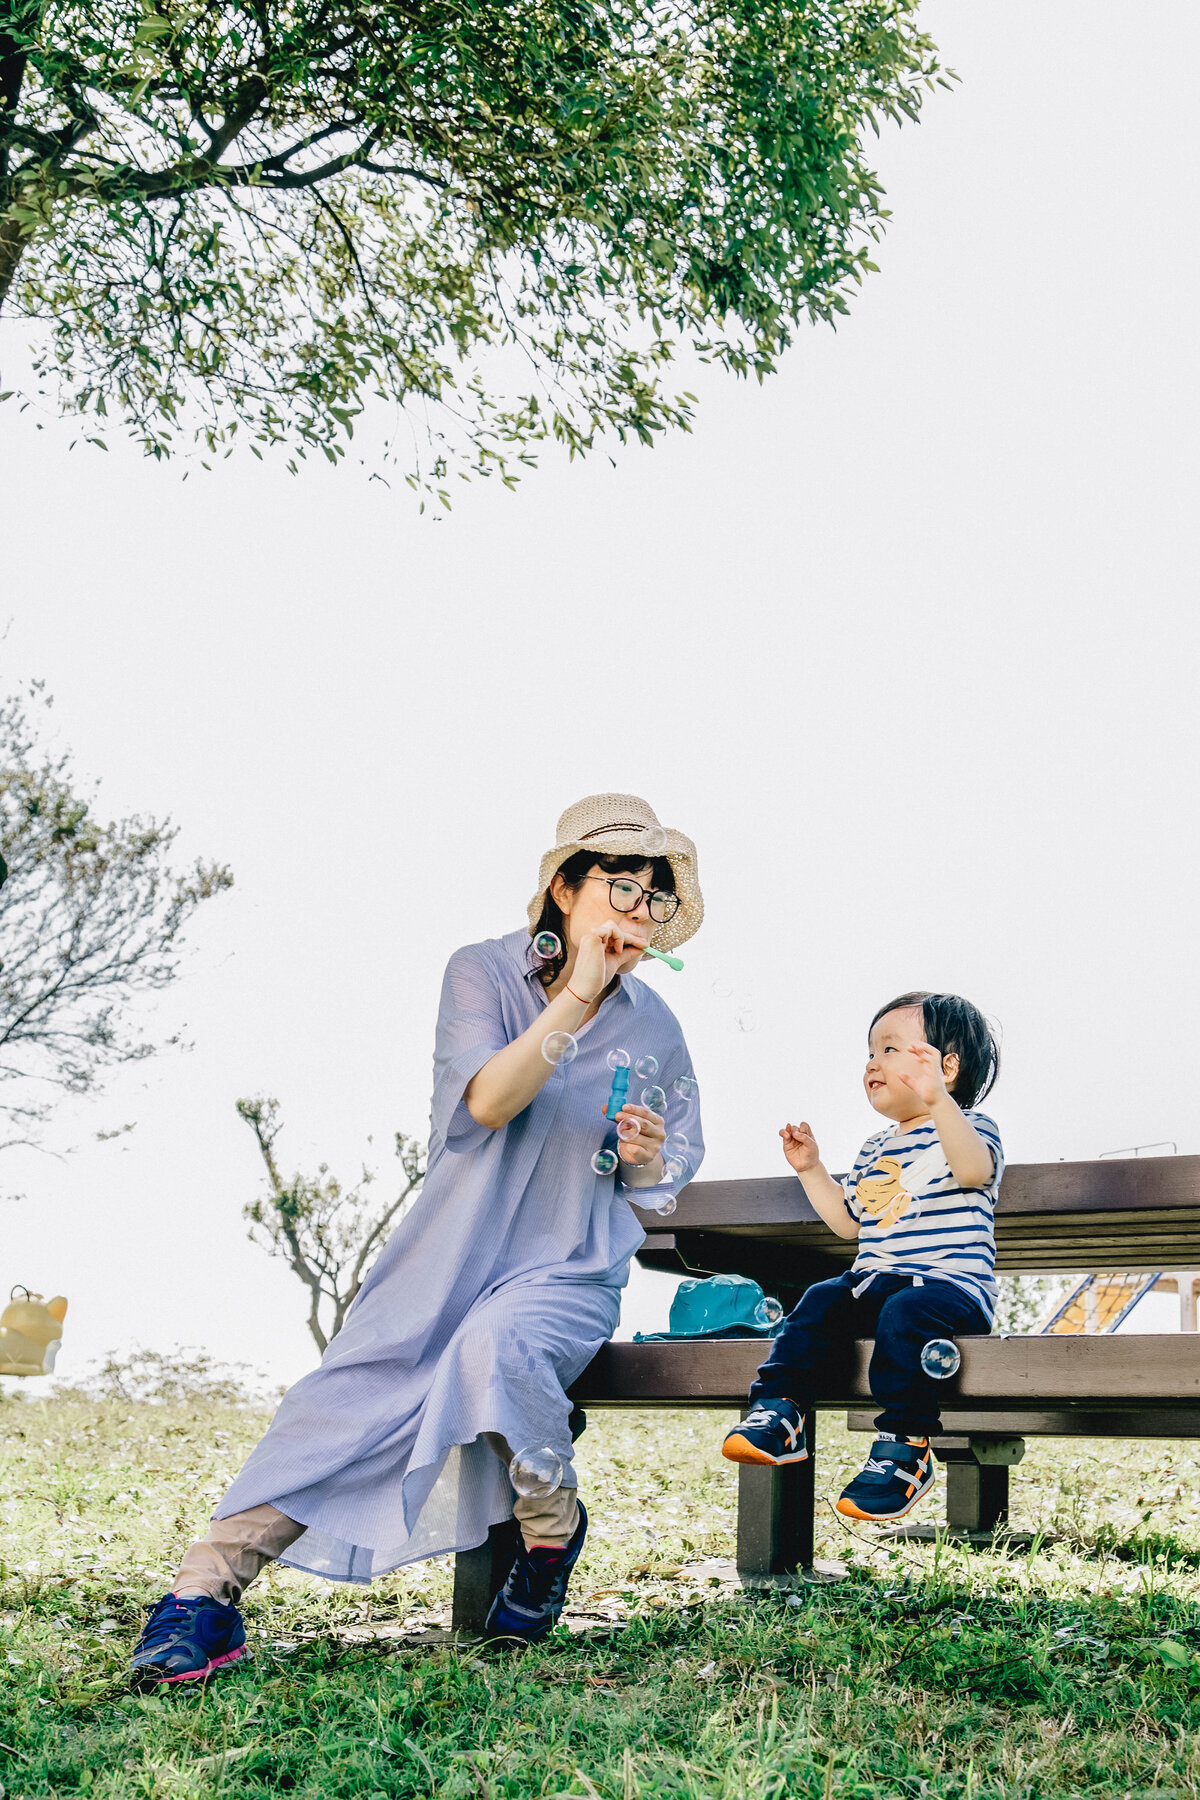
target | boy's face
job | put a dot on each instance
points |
(889, 1057)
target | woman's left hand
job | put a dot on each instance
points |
(652, 1130)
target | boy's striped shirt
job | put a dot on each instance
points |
(913, 1217)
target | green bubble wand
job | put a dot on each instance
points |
(672, 962)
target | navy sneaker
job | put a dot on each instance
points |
(898, 1473)
(529, 1603)
(188, 1640)
(772, 1433)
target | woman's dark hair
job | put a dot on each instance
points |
(956, 1028)
(573, 872)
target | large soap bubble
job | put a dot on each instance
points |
(663, 1204)
(744, 1019)
(547, 946)
(628, 1128)
(604, 1162)
(674, 1168)
(675, 1144)
(654, 840)
(618, 1059)
(655, 1099)
(768, 1311)
(941, 1359)
(559, 1047)
(685, 1086)
(646, 1068)
(536, 1472)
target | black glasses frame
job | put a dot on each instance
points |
(659, 895)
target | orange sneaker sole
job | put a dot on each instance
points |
(740, 1450)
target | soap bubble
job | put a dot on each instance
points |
(559, 1047)
(744, 1019)
(722, 989)
(547, 946)
(676, 1144)
(941, 1359)
(628, 1128)
(768, 1311)
(646, 1068)
(653, 840)
(685, 1086)
(604, 1162)
(674, 1168)
(535, 1473)
(618, 1059)
(664, 1207)
(655, 1099)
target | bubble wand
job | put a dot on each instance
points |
(672, 962)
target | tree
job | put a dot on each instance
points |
(92, 917)
(328, 1235)
(504, 217)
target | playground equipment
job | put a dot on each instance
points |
(1102, 1302)
(30, 1333)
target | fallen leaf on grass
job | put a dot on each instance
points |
(220, 1759)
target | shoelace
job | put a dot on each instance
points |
(531, 1583)
(166, 1617)
(764, 1416)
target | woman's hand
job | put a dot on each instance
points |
(800, 1147)
(648, 1143)
(612, 950)
(927, 1082)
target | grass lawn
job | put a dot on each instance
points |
(1071, 1671)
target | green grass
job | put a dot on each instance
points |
(919, 1671)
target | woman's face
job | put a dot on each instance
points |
(589, 906)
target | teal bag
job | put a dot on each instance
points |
(721, 1306)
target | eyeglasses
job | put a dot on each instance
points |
(628, 895)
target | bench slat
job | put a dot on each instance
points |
(1112, 1371)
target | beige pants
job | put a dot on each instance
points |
(224, 1563)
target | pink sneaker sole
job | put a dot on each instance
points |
(218, 1662)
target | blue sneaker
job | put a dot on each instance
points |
(529, 1603)
(772, 1433)
(188, 1640)
(898, 1473)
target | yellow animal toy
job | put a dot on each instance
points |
(884, 1194)
(30, 1333)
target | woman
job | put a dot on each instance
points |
(500, 1285)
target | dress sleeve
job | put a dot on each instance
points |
(470, 1030)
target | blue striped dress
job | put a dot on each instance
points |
(913, 1217)
(489, 1298)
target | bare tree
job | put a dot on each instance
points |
(327, 1234)
(91, 918)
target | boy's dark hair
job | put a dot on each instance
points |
(956, 1028)
(573, 872)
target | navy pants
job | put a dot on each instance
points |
(817, 1343)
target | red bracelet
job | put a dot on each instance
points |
(579, 997)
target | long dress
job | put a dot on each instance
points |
(491, 1296)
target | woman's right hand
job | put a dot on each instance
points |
(613, 950)
(800, 1147)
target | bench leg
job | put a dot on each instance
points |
(775, 1518)
(976, 1496)
(479, 1574)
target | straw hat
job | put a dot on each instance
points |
(623, 825)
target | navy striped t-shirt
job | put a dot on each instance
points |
(913, 1217)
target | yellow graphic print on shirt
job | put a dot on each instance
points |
(883, 1194)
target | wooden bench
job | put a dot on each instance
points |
(1140, 1213)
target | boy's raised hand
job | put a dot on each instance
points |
(927, 1082)
(800, 1146)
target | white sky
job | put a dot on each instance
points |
(906, 639)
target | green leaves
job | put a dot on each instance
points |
(259, 216)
